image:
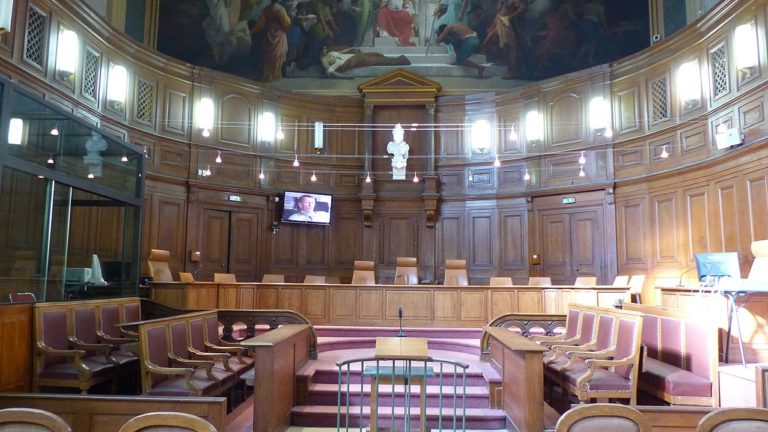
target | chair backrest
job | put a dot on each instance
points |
(53, 332)
(501, 281)
(406, 271)
(603, 417)
(540, 281)
(163, 421)
(314, 279)
(197, 333)
(585, 281)
(22, 297)
(224, 278)
(456, 272)
(735, 420)
(212, 330)
(621, 281)
(158, 265)
(109, 317)
(364, 273)
(84, 324)
(273, 278)
(186, 277)
(636, 283)
(759, 269)
(179, 339)
(31, 420)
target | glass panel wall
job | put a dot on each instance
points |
(70, 205)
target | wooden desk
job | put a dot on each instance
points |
(400, 348)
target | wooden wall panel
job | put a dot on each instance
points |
(513, 240)
(503, 302)
(627, 104)
(285, 246)
(314, 245)
(566, 120)
(482, 244)
(451, 237)
(343, 304)
(446, 305)
(728, 235)
(632, 244)
(698, 223)
(235, 120)
(347, 234)
(473, 306)
(400, 236)
(371, 305)
(267, 298)
(15, 347)
(175, 111)
(291, 299)
(315, 304)
(665, 225)
(757, 195)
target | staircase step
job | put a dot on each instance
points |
(326, 416)
(327, 394)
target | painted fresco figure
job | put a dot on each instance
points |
(399, 150)
(336, 63)
(464, 41)
(225, 30)
(395, 19)
(275, 20)
(504, 34)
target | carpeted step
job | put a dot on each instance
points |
(328, 394)
(326, 416)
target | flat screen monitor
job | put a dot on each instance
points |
(306, 208)
(714, 266)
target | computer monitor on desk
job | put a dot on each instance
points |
(718, 270)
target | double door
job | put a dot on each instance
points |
(230, 244)
(572, 245)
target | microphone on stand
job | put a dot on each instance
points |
(680, 283)
(401, 333)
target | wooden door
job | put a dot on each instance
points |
(572, 245)
(244, 246)
(215, 244)
(556, 252)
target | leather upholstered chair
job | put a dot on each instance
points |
(273, 278)
(456, 272)
(158, 265)
(501, 281)
(406, 271)
(603, 417)
(364, 273)
(540, 281)
(22, 297)
(735, 420)
(636, 283)
(224, 278)
(314, 279)
(164, 421)
(585, 281)
(186, 277)
(31, 420)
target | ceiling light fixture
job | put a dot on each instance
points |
(218, 157)
(50, 159)
(55, 131)
(581, 171)
(261, 175)
(314, 177)
(527, 176)
(582, 159)
(368, 178)
(415, 177)
(91, 176)
(124, 158)
(664, 153)
(295, 160)
(497, 162)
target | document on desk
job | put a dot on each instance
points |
(404, 348)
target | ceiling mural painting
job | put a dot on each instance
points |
(273, 40)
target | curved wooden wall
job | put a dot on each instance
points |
(645, 221)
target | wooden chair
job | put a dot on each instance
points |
(406, 271)
(186, 277)
(314, 279)
(501, 281)
(224, 278)
(273, 278)
(31, 419)
(572, 328)
(364, 273)
(163, 421)
(735, 420)
(456, 272)
(621, 281)
(585, 281)
(636, 283)
(539, 281)
(158, 265)
(22, 297)
(603, 417)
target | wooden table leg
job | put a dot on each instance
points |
(374, 403)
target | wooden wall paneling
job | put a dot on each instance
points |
(751, 118)
(446, 303)
(632, 235)
(508, 121)
(170, 158)
(314, 247)
(245, 245)
(347, 244)
(697, 212)
(316, 304)
(20, 214)
(15, 347)
(214, 247)
(587, 247)
(420, 302)
(567, 119)
(228, 296)
(556, 246)
(451, 236)
(513, 240)
(291, 299)
(267, 298)
(503, 302)
(285, 248)
(511, 177)
(236, 169)
(399, 238)
(450, 137)
(630, 159)
(665, 226)
(204, 297)
(657, 146)
(626, 105)
(344, 304)
(757, 199)
(370, 305)
(473, 306)
(693, 142)
(530, 301)
(235, 120)
(246, 298)
(563, 169)
(176, 111)
(106, 244)
(728, 207)
(551, 300)
(483, 244)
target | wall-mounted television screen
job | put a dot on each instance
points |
(306, 207)
(714, 266)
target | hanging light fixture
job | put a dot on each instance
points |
(261, 175)
(368, 177)
(497, 162)
(207, 170)
(527, 176)
(295, 160)
(512, 133)
(218, 157)
(279, 134)
(581, 171)
(415, 177)
(55, 130)
(582, 159)
(50, 159)
(314, 177)
(91, 176)
(664, 154)
(124, 158)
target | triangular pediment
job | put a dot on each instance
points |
(400, 87)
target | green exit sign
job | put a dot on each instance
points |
(236, 198)
(568, 200)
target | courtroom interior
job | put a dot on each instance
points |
(242, 215)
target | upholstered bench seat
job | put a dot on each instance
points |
(673, 380)
(602, 379)
(96, 366)
(178, 387)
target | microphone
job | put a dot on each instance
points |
(680, 283)
(401, 333)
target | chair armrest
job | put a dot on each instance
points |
(172, 371)
(574, 356)
(224, 357)
(100, 348)
(43, 349)
(564, 347)
(238, 350)
(610, 363)
(208, 365)
(552, 340)
(114, 340)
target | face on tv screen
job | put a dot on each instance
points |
(304, 207)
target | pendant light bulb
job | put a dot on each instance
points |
(527, 176)
(91, 176)
(218, 157)
(497, 162)
(664, 153)
(124, 158)
(206, 132)
(50, 159)
(368, 178)
(581, 172)
(55, 131)
(261, 175)
(512, 133)
(207, 170)
(582, 159)
(295, 160)
(415, 177)
(314, 177)
(279, 134)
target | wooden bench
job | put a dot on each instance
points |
(73, 347)
(681, 359)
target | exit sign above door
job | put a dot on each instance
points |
(568, 200)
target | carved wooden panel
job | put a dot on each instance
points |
(450, 140)
(285, 245)
(555, 253)
(697, 221)
(420, 304)
(514, 240)
(567, 120)
(451, 238)
(371, 305)
(235, 169)
(473, 306)
(315, 304)
(399, 237)
(586, 244)
(627, 157)
(503, 302)
(627, 102)
(631, 232)
(168, 226)
(247, 299)
(728, 236)
(446, 305)
(106, 244)
(692, 139)
(314, 244)
(481, 179)
(175, 111)
(757, 195)
(347, 239)
(215, 243)
(511, 176)
(344, 304)
(171, 159)
(510, 142)
(658, 146)
(290, 298)
(267, 298)
(665, 225)
(483, 232)
(751, 114)
(244, 245)
(529, 302)
(236, 120)
(15, 347)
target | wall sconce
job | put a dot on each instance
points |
(689, 85)
(746, 50)
(117, 87)
(600, 116)
(67, 56)
(319, 136)
(15, 131)
(726, 137)
(480, 136)
(6, 14)
(205, 116)
(267, 124)
(275, 227)
(533, 127)
(512, 133)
